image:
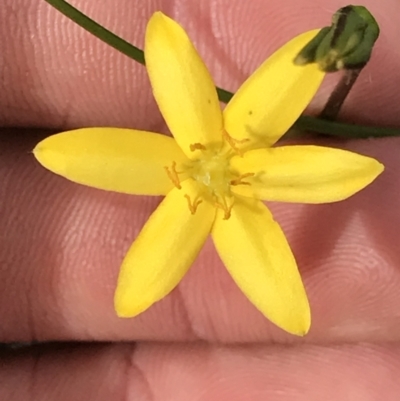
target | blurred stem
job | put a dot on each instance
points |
(304, 123)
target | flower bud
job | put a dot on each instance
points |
(346, 44)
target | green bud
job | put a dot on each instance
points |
(346, 44)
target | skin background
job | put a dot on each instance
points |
(61, 244)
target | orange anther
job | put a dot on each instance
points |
(193, 205)
(173, 175)
(239, 180)
(224, 206)
(234, 142)
(197, 146)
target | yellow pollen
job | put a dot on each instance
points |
(173, 175)
(239, 180)
(193, 205)
(197, 146)
(234, 142)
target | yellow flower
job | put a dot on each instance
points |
(215, 173)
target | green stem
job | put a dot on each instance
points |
(304, 123)
(343, 130)
(97, 30)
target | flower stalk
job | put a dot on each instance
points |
(339, 94)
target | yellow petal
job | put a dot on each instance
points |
(163, 251)
(113, 159)
(305, 174)
(182, 85)
(273, 97)
(258, 257)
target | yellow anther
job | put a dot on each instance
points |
(197, 146)
(193, 205)
(173, 175)
(232, 142)
(239, 180)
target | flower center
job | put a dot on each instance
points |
(212, 171)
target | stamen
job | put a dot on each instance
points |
(239, 180)
(173, 175)
(197, 146)
(193, 205)
(234, 142)
(225, 207)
